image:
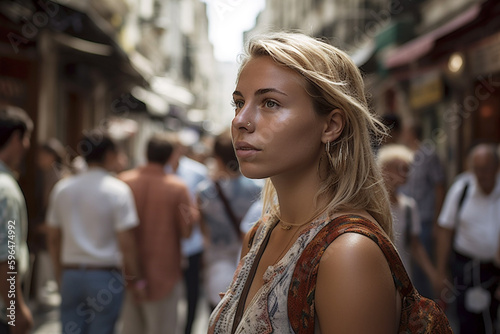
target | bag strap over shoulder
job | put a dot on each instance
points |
(235, 221)
(461, 203)
(251, 275)
(303, 284)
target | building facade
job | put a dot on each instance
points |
(130, 67)
(433, 61)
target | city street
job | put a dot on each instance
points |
(47, 318)
(47, 322)
(127, 126)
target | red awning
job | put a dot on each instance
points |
(420, 46)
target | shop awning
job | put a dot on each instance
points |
(422, 45)
(160, 85)
(172, 92)
(82, 45)
(156, 104)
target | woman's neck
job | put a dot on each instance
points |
(296, 198)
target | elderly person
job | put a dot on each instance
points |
(470, 230)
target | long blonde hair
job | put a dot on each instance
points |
(333, 81)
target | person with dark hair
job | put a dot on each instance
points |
(224, 153)
(469, 234)
(15, 133)
(159, 149)
(14, 121)
(166, 215)
(91, 218)
(223, 203)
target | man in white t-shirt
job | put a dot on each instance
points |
(470, 228)
(91, 217)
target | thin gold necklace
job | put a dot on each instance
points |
(289, 242)
(288, 226)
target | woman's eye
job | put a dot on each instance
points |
(237, 104)
(270, 104)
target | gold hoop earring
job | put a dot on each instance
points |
(342, 155)
(327, 149)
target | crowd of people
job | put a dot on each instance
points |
(125, 245)
(449, 240)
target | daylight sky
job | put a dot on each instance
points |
(228, 20)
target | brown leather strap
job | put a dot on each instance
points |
(301, 293)
(251, 275)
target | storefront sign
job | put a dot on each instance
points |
(485, 58)
(426, 90)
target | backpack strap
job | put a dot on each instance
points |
(460, 203)
(462, 196)
(301, 309)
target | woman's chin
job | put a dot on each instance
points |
(252, 174)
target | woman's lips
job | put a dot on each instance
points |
(245, 150)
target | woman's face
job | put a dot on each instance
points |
(275, 129)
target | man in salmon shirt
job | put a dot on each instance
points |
(166, 214)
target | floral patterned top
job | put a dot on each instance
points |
(268, 309)
(289, 286)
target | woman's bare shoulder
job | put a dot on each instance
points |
(355, 281)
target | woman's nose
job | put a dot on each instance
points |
(243, 120)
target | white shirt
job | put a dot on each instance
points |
(478, 231)
(400, 227)
(90, 208)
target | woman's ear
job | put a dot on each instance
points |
(334, 125)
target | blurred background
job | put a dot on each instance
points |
(134, 67)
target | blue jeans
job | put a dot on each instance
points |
(90, 301)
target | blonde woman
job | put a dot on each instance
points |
(394, 161)
(302, 121)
